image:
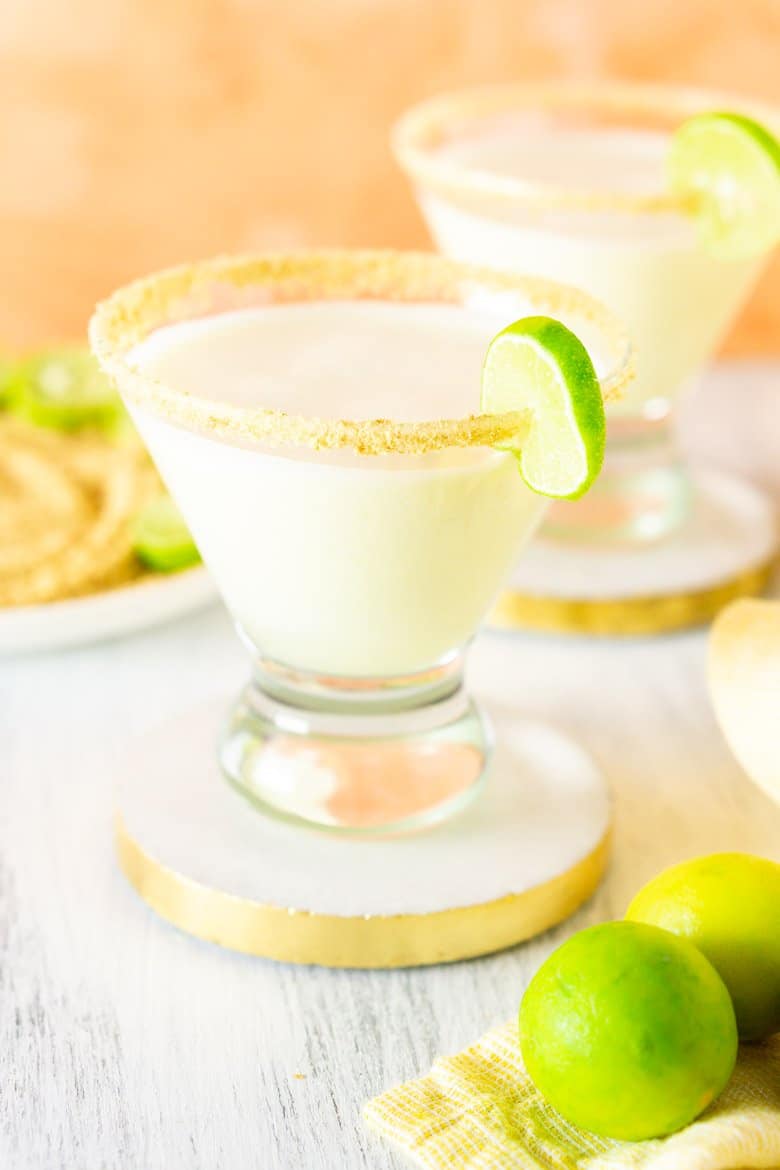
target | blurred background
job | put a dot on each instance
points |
(138, 133)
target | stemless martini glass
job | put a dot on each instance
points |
(314, 417)
(569, 181)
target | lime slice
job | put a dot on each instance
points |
(730, 166)
(65, 389)
(539, 366)
(161, 539)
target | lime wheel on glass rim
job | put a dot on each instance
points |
(728, 167)
(538, 367)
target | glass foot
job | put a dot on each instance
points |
(356, 765)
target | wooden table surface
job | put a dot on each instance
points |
(126, 1045)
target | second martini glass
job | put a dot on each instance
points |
(315, 417)
(570, 181)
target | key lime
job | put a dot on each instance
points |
(540, 367)
(728, 905)
(161, 539)
(729, 166)
(122, 431)
(628, 1031)
(65, 389)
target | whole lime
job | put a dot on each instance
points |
(728, 905)
(628, 1031)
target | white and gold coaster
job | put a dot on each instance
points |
(528, 851)
(725, 549)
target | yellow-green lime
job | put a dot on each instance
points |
(628, 1031)
(7, 371)
(540, 367)
(729, 165)
(161, 539)
(64, 388)
(728, 905)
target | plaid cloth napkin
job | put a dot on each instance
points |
(478, 1110)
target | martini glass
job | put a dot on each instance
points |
(313, 416)
(569, 181)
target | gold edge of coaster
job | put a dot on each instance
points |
(646, 614)
(402, 940)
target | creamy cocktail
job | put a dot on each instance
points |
(572, 182)
(317, 420)
(341, 564)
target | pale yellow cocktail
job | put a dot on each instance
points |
(316, 419)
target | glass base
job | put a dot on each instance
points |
(521, 858)
(642, 494)
(356, 755)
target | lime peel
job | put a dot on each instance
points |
(538, 368)
(161, 539)
(628, 1031)
(726, 166)
(728, 906)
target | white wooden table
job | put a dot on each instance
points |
(128, 1046)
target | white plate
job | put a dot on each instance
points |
(147, 602)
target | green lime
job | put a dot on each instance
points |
(628, 1031)
(539, 366)
(730, 166)
(65, 389)
(7, 380)
(161, 539)
(728, 905)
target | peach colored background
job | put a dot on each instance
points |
(135, 133)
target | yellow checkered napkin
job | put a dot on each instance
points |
(479, 1111)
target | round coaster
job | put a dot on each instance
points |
(521, 858)
(726, 549)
